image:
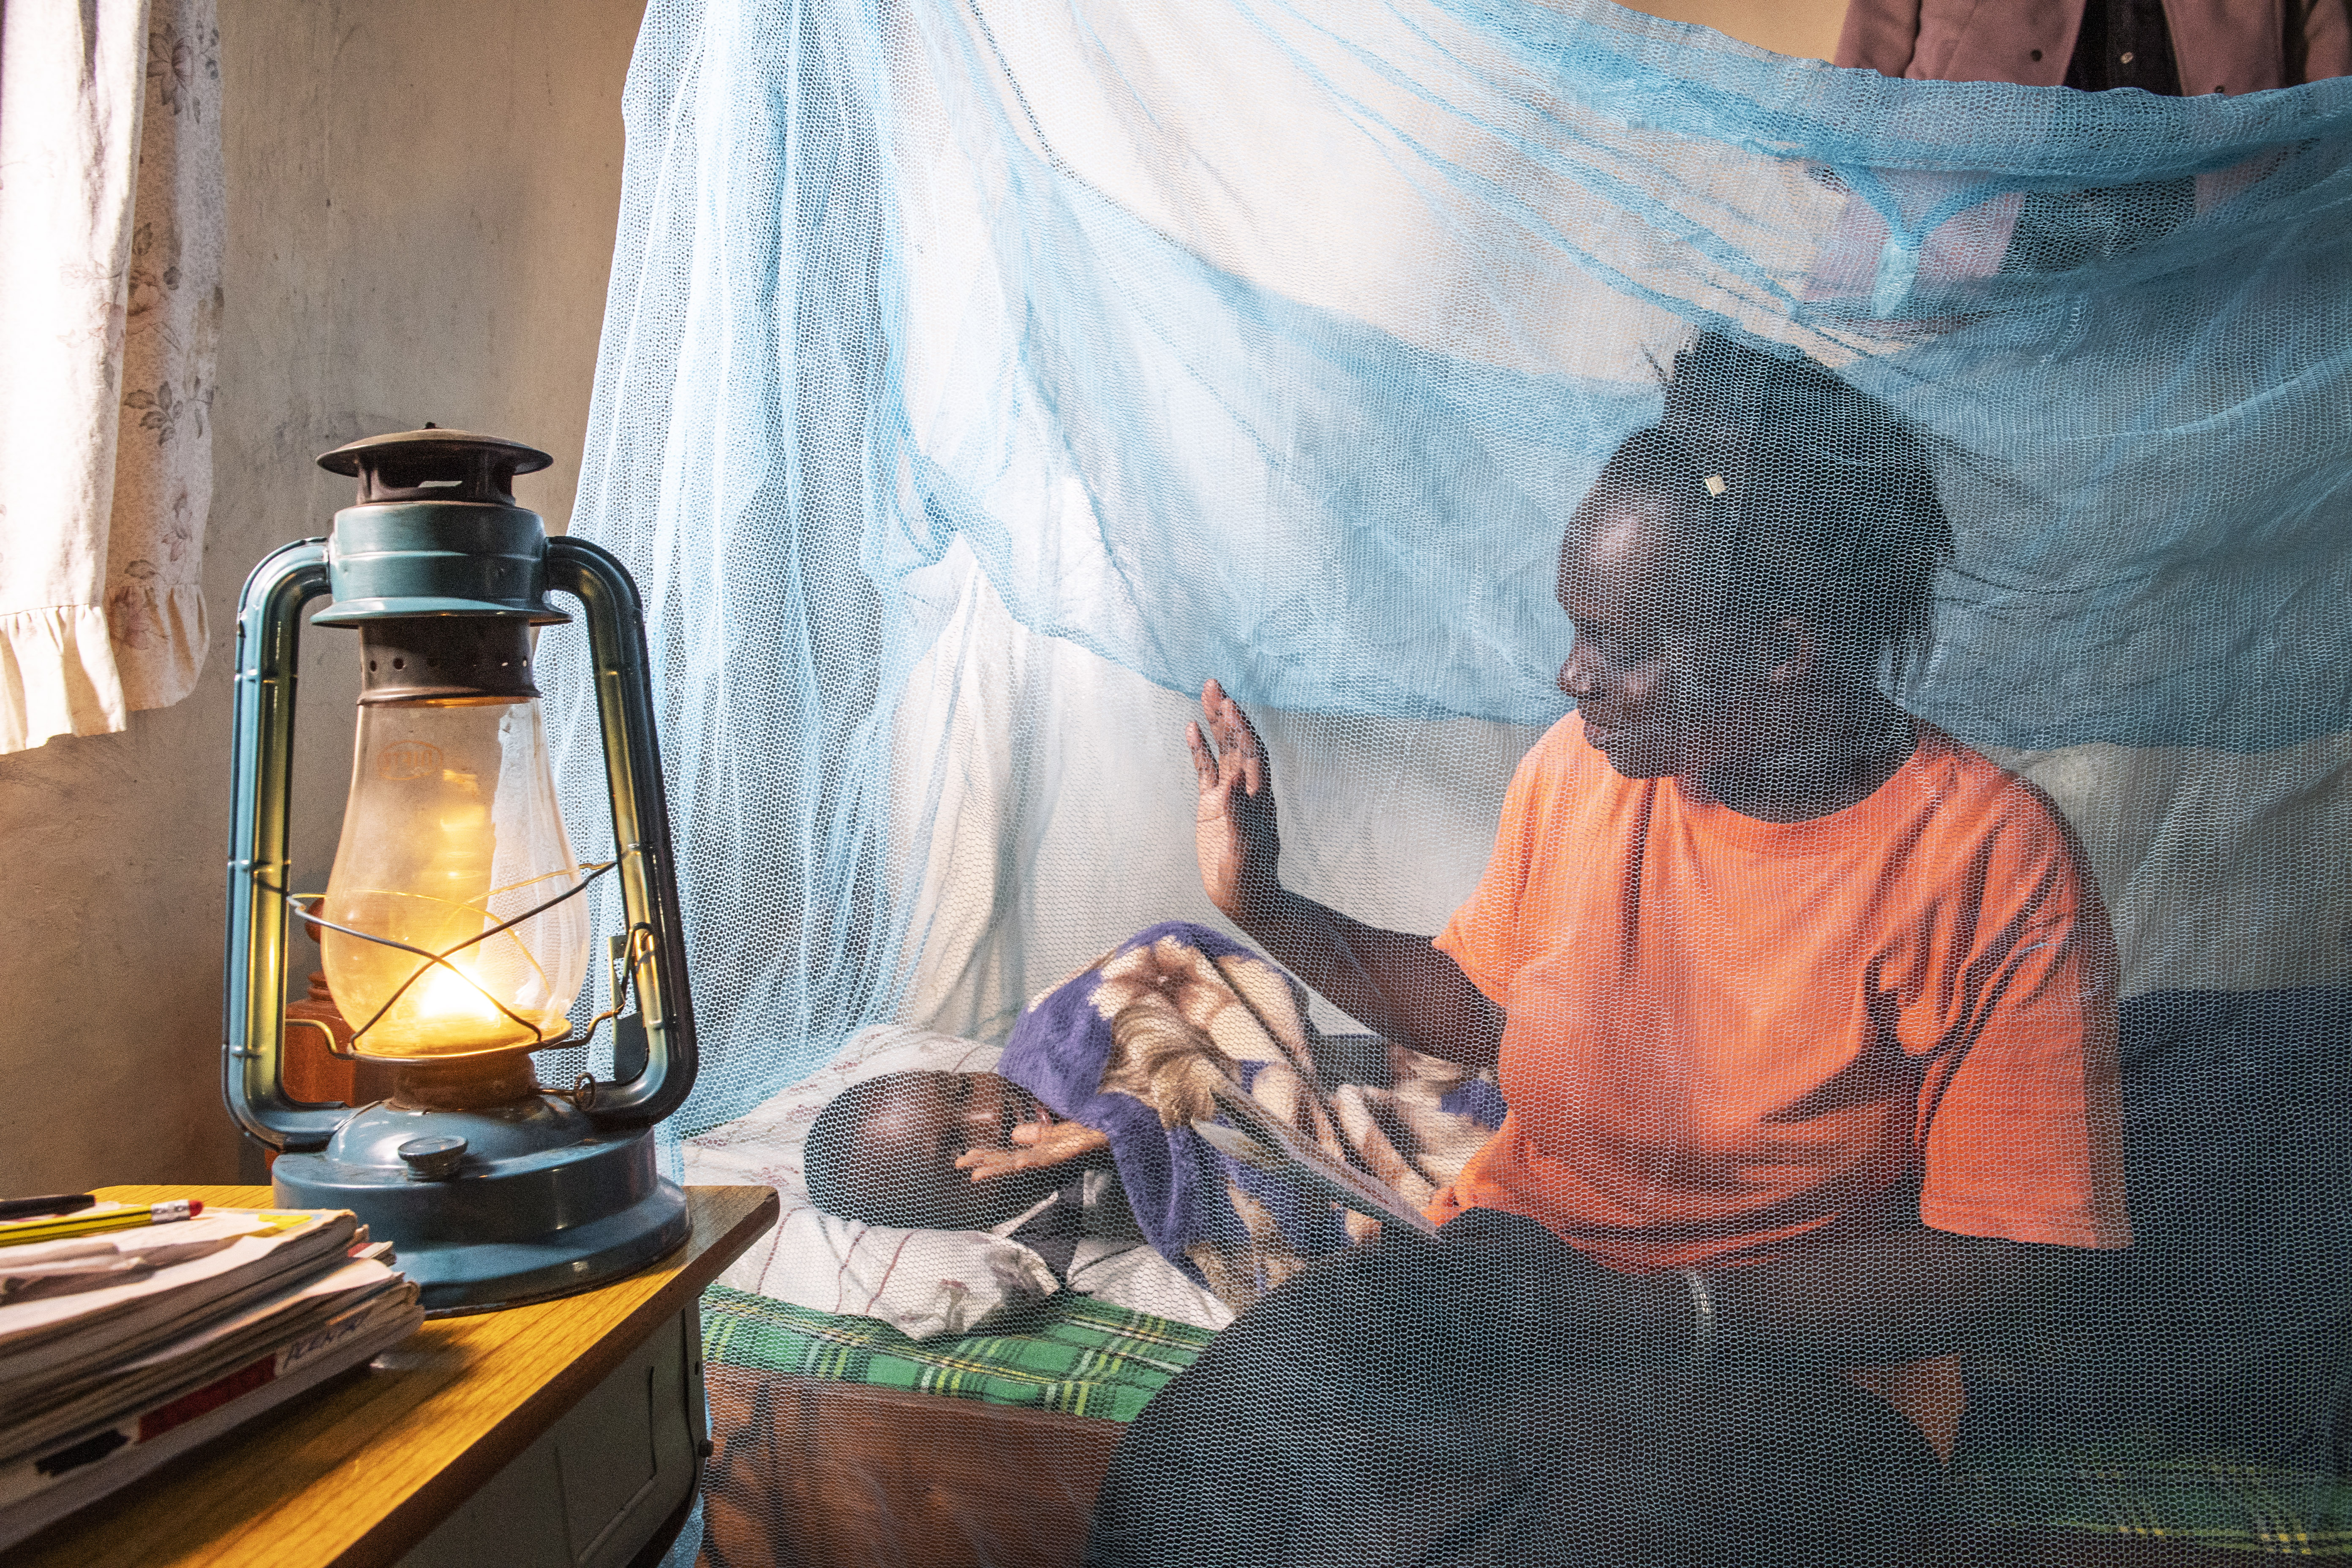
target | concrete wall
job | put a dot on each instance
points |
(1808, 28)
(422, 199)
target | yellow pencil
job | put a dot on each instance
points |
(67, 1226)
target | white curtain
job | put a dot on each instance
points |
(110, 228)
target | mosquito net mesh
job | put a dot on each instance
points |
(979, 380)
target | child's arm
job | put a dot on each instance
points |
(1036, 1144)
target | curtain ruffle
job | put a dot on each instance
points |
(111, 240)
(57, 675)
(83, 670)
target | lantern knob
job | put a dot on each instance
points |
(431, 1159)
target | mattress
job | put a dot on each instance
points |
(1073, 1354)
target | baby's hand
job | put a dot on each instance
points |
(1036, 1144)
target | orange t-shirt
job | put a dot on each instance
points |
(1725, 1036)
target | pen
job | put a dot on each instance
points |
(55, 1204)
(97, 1223)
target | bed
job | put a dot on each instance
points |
(916, 1397)
(934, 1399)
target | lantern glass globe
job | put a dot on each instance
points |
(452, 829)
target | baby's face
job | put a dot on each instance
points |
(932, 1120)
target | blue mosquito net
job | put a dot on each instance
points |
(978, 379)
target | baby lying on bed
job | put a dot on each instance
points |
(1113, 1067)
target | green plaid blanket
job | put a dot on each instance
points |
(1083, 1357)
(1071, 1353)
(2149, 1488)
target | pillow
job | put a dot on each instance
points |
(924, 1283)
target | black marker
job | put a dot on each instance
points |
(57, 1203)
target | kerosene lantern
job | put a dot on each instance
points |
(454, 933)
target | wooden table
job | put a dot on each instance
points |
(362, 1470)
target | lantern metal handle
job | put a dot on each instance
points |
(253, 1022)
(624, 710)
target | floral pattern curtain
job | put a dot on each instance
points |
(110, 232)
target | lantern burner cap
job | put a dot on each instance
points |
(486, 1079)
(433, 464)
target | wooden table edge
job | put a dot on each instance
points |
(691, 1267)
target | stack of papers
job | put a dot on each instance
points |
(118, 1350)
